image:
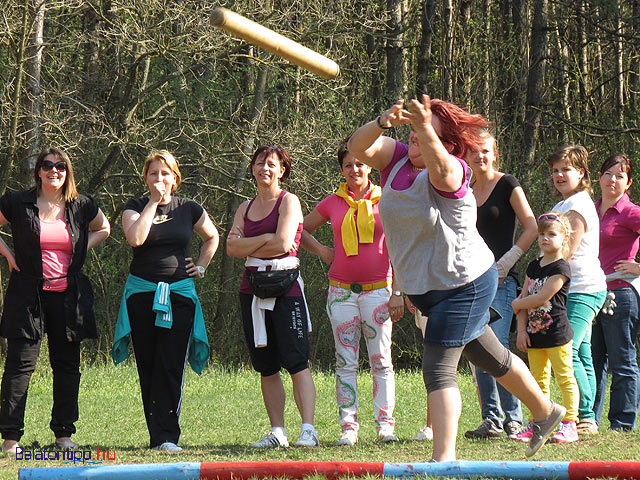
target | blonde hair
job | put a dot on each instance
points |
(546, 221)
(168, 160)
(576, 156)
(486, 135)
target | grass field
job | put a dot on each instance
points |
(222, 413)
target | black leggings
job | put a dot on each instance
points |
(439, 364)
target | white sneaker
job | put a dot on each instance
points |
(308, 438)
(348, 438)
(271, 440)
(168, 447)
(386, 437)
(425, 434)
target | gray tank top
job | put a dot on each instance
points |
(432, 240)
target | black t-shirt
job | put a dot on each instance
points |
(161, 258)
(548, 326)
(496, 219)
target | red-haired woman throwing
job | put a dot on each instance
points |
(440, 260)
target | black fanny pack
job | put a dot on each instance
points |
(272, 283)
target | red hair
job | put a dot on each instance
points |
(461, 129)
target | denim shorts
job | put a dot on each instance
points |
(459, 315)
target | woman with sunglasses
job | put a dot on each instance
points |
(439, 259)
(267, 231)
(52, 227)
(615, 330)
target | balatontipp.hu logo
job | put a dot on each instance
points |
(66, 456)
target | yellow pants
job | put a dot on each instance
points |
(560, 359)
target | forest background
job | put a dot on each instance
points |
(110, 80)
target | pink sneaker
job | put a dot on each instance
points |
(524, 436)
(567, 433)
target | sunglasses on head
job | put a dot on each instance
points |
(48, 165)
(550, 217)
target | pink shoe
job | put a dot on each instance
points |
(524, 436)
(567, 433)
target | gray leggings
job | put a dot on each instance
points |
(439, 364)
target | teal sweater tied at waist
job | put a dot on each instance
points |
(198, 343)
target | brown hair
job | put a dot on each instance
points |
(615, 159)
(69, 190)
(168, 160)
(576, 156)
(281, 153)
(546, 221)
(342, 151)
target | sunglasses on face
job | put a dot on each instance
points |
(47, 166)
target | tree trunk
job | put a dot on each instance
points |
(228, 276)
(486, 97)
(395, 57)
(535, 80)
(618, 48)
(374, 81)
(599, 62)
(583, 59)
(464, 79)
(33, 99)
(424, 61)
(447, 50)
(634, 62)
(7, 161)
(563, 81)
(520, 15)
(510, 84)
(90, 54)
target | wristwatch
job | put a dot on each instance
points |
(200, 270)
(397, 293)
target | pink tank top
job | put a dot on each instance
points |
(55, 243)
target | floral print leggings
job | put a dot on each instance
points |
(352, 316)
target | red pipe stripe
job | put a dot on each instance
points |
(586, 470)
(246, 470)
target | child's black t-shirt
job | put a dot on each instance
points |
(548, 326)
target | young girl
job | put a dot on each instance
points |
(544, 331)
(570, 176)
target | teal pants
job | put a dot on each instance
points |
(582, 308)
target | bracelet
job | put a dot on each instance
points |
(380, 125)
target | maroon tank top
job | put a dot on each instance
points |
(269, 224)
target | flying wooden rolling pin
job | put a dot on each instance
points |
(273, 42)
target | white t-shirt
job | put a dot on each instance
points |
(586, 274)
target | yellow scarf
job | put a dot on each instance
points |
(366, 220)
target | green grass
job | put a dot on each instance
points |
(222, 412)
